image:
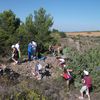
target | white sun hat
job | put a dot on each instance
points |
(86, 72)
(34, 43)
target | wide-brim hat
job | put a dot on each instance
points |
(86, 72)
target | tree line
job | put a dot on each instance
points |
(37, 28)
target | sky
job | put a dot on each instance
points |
(68, 15)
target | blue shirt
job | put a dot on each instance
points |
(30, 47)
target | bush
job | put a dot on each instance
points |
(62, 34)
(88, 60)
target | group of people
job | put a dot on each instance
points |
(39, 73)
(32, 50)
(86, 78)
(16, 53)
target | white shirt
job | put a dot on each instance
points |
(17, 46)
(39, 66)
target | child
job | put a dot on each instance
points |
(87, 84)
(67, 76)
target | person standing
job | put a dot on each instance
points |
(15, 55)
(67, 76)
(87, 84)
(34, 47)
(29, 51)
(17, 46)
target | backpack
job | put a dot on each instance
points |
(66, 76)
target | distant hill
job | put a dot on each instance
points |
(83, 33)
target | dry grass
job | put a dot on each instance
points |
(83, 33)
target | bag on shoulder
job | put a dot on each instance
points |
(66, 76)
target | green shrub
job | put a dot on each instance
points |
(88, 60)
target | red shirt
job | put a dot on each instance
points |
(88, 81)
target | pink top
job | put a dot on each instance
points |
(88, 81)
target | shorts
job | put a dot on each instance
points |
(85, 89)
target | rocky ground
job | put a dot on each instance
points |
(53, 87)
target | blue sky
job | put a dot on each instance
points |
(68, 15)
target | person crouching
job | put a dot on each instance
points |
(38, 71)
